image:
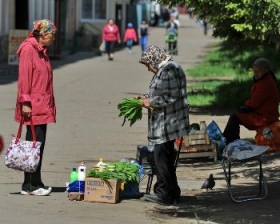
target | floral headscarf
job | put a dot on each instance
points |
(154, 55)
(43, 26)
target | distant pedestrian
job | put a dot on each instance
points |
(205, 26)
(35, 95)
(171, 36)
(143, 34)
(173, 23)
(130, 36)
(111, 35)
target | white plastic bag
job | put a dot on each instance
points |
(241, 149)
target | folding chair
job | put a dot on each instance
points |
(262, 188)
(145, 158)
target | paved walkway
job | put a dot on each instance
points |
(88, 89)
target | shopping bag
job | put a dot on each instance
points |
(1, 143)
(102, 47)
(269, 136)
(76, 186)
(21, 154)
(241, 149)
(216, 135)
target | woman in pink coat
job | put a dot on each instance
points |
(35, 99)
(129, 36)
(110, 36)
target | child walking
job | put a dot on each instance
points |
(130, 36)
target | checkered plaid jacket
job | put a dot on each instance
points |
(167, 94)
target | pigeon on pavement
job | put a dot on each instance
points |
(209, 183)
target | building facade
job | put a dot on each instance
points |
(79, 22)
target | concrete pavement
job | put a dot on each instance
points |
(88, 89)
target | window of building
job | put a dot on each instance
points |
(94, 9)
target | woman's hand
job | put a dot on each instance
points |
(26, 109)
(146, 102)
(140, 97)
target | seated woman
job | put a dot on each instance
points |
(261, 109)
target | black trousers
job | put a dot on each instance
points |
(33, 181)
(232, 129)
(110, 45)
(172, 46)
(166, 186)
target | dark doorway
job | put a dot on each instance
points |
(118, 19)
(21, 14)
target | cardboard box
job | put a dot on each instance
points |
(75, 196)
(97, 190)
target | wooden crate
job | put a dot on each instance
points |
(197, 151)
(197, 139)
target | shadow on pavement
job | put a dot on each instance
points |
(216, 206)
(9, 73)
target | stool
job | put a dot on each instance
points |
(145, 158)
(262, 188)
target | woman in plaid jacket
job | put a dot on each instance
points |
(167, 119)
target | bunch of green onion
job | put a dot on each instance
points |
(130, 109)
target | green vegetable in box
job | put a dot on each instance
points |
(123, 171)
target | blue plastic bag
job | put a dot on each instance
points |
(76, 186)
(131, 191)
(217, 137)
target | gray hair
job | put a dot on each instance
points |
(264, 63)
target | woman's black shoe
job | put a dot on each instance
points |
(156, 199)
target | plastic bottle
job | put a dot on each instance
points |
(73, 175)
(100, 165)
(82, 172)
(202, 126)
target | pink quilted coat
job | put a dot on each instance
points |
(35, 83)
(111, 34)
(130, 34)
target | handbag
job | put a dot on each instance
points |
(21, 154)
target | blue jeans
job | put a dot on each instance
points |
(143, 42)
(129, 43)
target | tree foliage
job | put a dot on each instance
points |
(255, 21)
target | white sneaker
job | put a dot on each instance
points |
(42, 191)
(25, 192)
(38, 192)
